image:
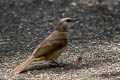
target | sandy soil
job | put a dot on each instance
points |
(96, 38)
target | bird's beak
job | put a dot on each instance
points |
(76, 19)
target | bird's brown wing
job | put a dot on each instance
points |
(49, 47)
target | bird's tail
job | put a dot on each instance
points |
(22, 66)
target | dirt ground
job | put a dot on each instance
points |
(24, 24)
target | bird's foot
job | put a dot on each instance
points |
(54, 64)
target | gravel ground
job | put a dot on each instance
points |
(24, 24)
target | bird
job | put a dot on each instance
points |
(51, 47)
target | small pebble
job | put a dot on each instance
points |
(73, 3)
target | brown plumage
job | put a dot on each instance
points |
(51, 48)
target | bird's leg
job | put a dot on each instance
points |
(54, 62)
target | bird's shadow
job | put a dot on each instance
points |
(43, 67)
(65, 66)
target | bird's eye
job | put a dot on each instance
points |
(68, 20)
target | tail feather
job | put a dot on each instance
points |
(22, 66)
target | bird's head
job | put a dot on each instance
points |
(65, 23)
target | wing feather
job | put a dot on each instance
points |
(49, 47)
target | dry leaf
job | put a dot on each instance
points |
(79, 58)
